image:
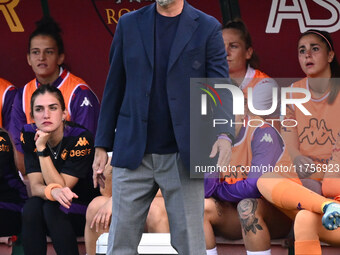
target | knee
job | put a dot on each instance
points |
(306, 224)
(249, 215)
(94, 206)
(304, 219)
(209, 208)
(50, 207)
(157, 215)
(91, 210)
(32, 211)
(247, 208)
(51, 211)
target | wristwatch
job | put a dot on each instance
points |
(44, 153)
(231, 137)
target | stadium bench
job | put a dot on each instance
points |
(152, 243)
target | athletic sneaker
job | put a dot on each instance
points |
(331, 217)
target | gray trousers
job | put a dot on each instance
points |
(133, 192)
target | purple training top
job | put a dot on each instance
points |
(263, 154)
(84, 110)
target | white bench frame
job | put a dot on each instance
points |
(151, 243)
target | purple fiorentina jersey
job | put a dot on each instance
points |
(263, 154)
(83, 108)
(12, 190)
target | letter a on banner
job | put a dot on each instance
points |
(280, 11)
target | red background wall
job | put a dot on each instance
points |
(87, 38)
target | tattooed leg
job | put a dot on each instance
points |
(260, 221)
(249, 222)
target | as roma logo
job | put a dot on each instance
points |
(7, 9)
(109, 11)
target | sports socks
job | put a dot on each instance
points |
(212, 251)
(267, 252)
(308, 247)
(292, 196)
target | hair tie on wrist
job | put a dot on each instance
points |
(48, 190)
(227, 136)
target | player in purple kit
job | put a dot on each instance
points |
(12, 190)
(230, 203)
(46, 55)
(58, 160)
(7, 94)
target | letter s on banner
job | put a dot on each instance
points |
(299, 11)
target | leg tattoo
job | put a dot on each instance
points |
(246, 210)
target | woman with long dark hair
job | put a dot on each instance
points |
(58, 160)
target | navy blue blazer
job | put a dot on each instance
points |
(197, 51)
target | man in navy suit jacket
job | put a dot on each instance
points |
(145, 119)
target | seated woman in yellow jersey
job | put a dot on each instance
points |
(243, 63)
(310, 142)
(317, 218)
(234, 207)
(98, 214)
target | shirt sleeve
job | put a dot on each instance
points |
(85, 108)
(31, 159)
(8, 171)
(5, 153)
(267, 148)
(80, 156)
(7, 107)
(18, 120)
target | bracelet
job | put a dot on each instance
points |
(225, 137)
(48, 190)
